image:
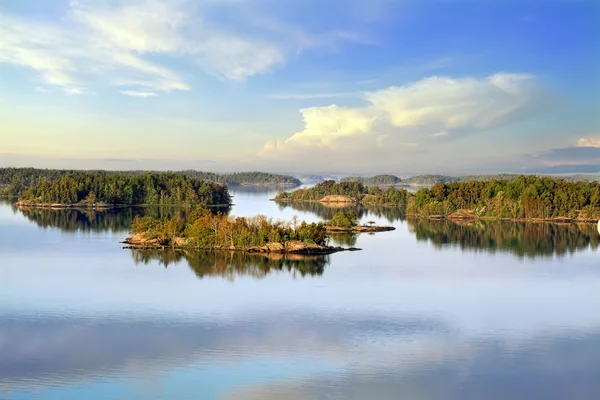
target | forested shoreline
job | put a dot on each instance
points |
(350, 192)
(15, 181)
(112, 190)
(523, 198)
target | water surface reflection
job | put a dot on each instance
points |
(229, 265)
(523, 239)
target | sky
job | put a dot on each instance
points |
(348, 86)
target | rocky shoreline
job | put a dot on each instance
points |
(137, 242)
(57, 206)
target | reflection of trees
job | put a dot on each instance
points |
(327, 212)
(89, 220)
(343, 239)
(523, 239)
(231, 264)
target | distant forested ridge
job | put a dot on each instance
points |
(527, 197)
(430, 180)
(354, 192)
(15, 181)
(87, 189)
(374, 180)
(245, 178)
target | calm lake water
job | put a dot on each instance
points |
(432, 310)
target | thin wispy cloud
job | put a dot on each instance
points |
(129, 43)
(134, 93)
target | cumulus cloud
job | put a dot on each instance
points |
(415, 113)
(590, 141)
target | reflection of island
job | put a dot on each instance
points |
(231, 264)
(327, 211)
(89, 220)
(520, 238)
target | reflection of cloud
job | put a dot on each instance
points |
(72, 349)
(552, 368)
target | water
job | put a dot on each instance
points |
(429, 311)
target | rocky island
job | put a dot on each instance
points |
(205, 230)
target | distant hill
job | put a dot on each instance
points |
(375, 180)
(430, 180)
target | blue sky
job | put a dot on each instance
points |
(353, 86)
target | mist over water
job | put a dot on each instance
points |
(431, 310)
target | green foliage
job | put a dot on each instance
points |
(344, 219)
(207, 230)
(368, 196)
(354, 190)
(527, 197)
(126, 189)
(15, 181)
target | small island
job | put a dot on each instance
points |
(205, 230)
(347, 222)
(334, 193)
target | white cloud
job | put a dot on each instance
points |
(404, 116)
(128, 43)
(590, 141)
(327, 127)
(450, 103)
(236, 58)
(73, 91)
(149, 26)
(134, 93)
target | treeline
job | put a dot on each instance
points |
(356, 191)
(126, 189)
(245, 178)
(15, 181)
(206, 230)
(229, 265)
(527, 197)
(523, 239)
(374, 180)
